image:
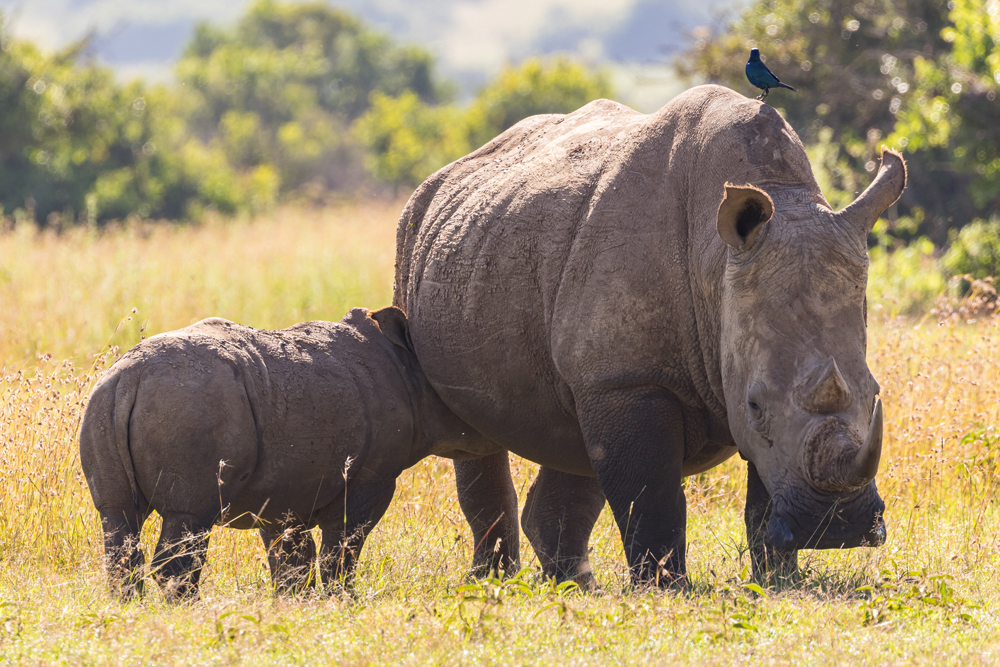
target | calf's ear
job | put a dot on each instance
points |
(392, 322)
(742, 213)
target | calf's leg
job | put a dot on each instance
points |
(123, 557)
(558, 517)
(346, 525)
(290, 555)
(180, 555)
(487, 497)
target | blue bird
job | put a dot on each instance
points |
(759, 75)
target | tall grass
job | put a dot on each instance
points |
(929, 595)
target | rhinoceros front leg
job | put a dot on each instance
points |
(768, 563)
(558, 517)
(488, 500)
(635, 441)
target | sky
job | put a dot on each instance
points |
(472, 39)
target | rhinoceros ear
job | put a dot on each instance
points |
(743, 211)
(392, 322)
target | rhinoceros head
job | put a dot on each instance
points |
(802, 403)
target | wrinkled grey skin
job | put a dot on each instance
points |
(629, 299)
(307, 420)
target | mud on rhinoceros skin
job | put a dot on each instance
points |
(279, 431)
(628, 299)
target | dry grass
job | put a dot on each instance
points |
(932, 593)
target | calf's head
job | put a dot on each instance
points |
(802, 404)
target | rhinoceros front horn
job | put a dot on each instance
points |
(834, 465)
(883, 192)
(866, 461)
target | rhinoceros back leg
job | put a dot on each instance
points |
(291, 553)
(635, 440)
(768, 563)
(559, 515)
(123, 557)
(488, 500)
(180, 555)
(346, 525)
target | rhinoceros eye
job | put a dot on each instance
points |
(755, 408)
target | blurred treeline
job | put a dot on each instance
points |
(296, 102)
(303, 101)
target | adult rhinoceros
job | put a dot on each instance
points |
(629, 299)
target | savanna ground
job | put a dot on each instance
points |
(931, 594)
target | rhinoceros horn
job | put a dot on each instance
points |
(867, 459)
(880, 195)
(846, 469)
(825, 391)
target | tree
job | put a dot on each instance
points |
(281, 88)
(76, 145)
(534, 87)
(407, 139)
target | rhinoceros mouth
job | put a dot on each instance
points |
(856, 524)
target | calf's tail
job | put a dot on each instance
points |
(107, 466)
(125, 392)
(104, 446)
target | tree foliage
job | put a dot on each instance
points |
(534, 87)
(408, 139)
(281, 88)
(73, 144)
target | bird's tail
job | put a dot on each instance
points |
(785, 85)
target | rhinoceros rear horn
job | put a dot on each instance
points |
(883, 192)
(744, 209)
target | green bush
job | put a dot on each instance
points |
(74, 144)
(407, 139)
(975, 250)
(904, 280)
(536, 86)
(280, 90)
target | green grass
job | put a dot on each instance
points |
(930, 595)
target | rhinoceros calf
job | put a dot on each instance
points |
(629, 299)
(275, 430)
